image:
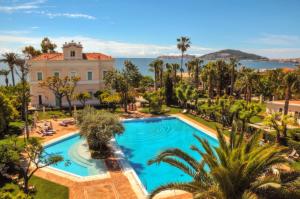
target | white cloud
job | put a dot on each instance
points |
(273, 39)
(114, 48)
(21, 6)
(52, 15)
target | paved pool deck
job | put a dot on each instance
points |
(117, 185)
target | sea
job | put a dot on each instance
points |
(143, 64)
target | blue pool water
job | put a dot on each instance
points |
(144, 139)
(141, 141)
(62, 148)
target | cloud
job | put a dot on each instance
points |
(280, 40)
(114, 48)
(21, 6)
(52, 15)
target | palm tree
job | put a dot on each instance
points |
(246, 79)
(291, 81)
(209, 75)
(183, 43)
(233, 65)
(10, 59)
(234, 170)
(5, 73)
(220, 65)
(175, 67)
(155, 66)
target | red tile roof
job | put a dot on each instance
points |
(60, 56)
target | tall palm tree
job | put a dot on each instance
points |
(220, 65)
(155, 66)
(175, 68)
(10, 59)
(209, 75)
(246, 80)
(183, 43)
(233, 65)
(291, 81)
(5, 73)
(234, 170)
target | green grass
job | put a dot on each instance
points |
(48, 190)
(210, 124)
(44, 189)
(165, 109)
(256, 119)
(50, 114)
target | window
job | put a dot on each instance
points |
(40, 100)
(73, 74)
(104, 74)
(89, 75)
(56, 74)
(72, 53)
(39, 76)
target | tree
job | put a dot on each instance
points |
(155, 66)
(279, 123)
(133, 74)
(7, 113)
(10, 59)
(168, 89)
(209, 76)
(99, 127)
(243, 112)
(220, 70)
(234, 170)
(183, 44)
(124, 82)
(30, 50)
(56, 85)
(34, 155)
(155, 100)
(172, 68)
(233, 65)
(5, 74)
(111, 99)
(47, 46)
(9, 156)
(68, 89)
(184, 94)
(247, 78)
(83, 97)
(23, 67)
(118, 81)
(146, 82)
(291, 82)
(196, 69)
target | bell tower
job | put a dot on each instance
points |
(72, 50)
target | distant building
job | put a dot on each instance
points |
(90, 67)
(278, 106)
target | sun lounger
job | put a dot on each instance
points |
(63, 123)
(184, 111)
(293, 154)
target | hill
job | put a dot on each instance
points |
(227, 53)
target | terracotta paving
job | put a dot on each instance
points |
(115, 187)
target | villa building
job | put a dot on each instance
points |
(90, 67)
(278, 106)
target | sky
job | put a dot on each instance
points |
(149, 28)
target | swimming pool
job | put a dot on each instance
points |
(141, 141)
(144, 139)
(75, 152)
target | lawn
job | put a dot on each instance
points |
(50, 114)
(45, 189)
